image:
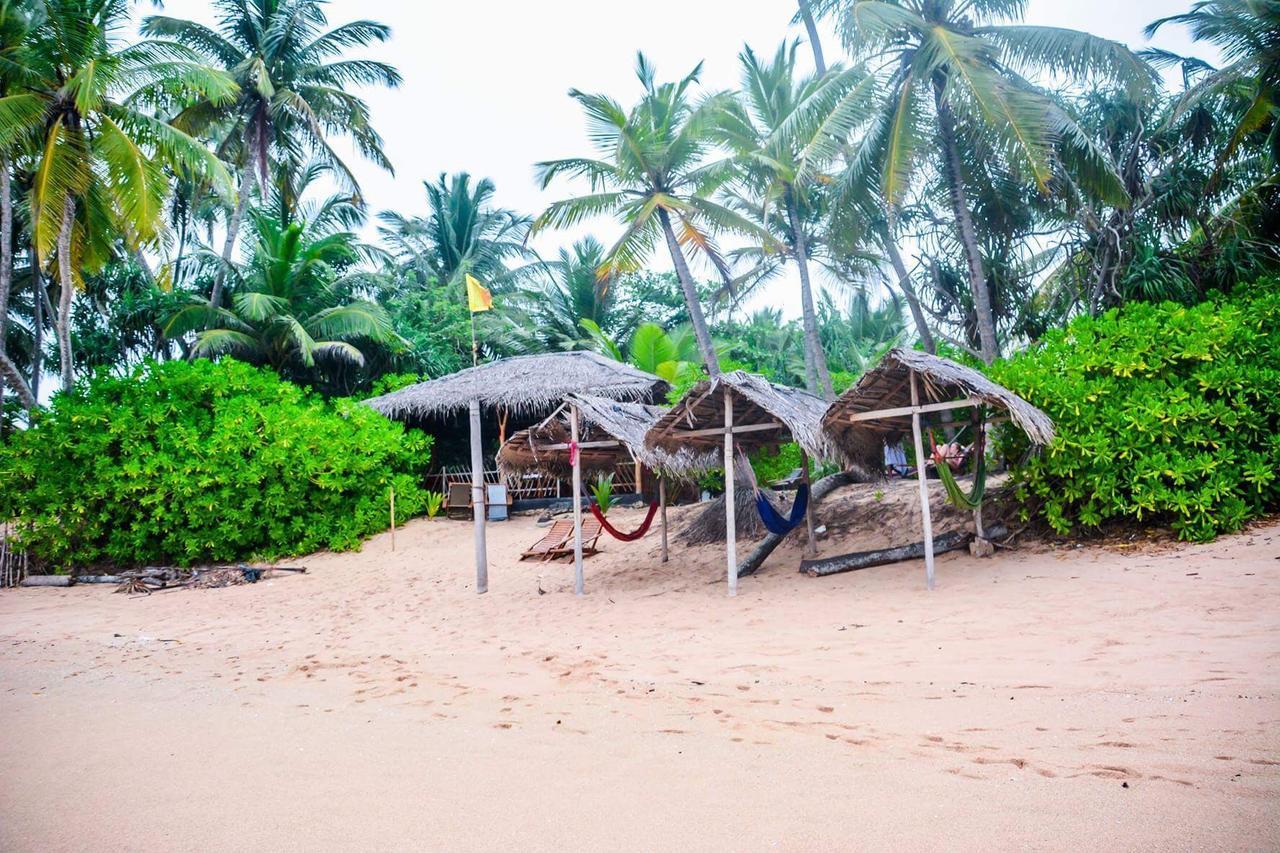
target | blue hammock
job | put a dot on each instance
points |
(777, 524)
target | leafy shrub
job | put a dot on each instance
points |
(185, 462)
(434, 501)
(1163, 412)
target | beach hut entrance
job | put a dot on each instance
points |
(897, 393)
(597, 434)
(739, 410)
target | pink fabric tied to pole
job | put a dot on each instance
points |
(573, 453)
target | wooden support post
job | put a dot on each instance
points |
(579, 583)
(812, 548)
(922, 477)
(639, 478)
(662, 513)
(477, 500)
(730, 498)
(393, 518)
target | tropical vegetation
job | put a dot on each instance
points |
(957, 178)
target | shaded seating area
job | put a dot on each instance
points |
(894, 399)
(595, 435)
(743, 411)
(524, 386)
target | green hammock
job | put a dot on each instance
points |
(955, 494)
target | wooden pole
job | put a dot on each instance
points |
(578, 580)
(477, 500)
(730, 498)
(921, 476)
(639, 478)
(393, 518)
(662, 513)
(812, 548)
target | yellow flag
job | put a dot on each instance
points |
(478, 296)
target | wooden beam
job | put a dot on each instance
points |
(736, 430)
(582, 445)
(880, 414)
(730, 499)
(578, 582)
(923, 478)
(477, 500)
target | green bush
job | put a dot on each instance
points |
(203, 461)
(1164, 413)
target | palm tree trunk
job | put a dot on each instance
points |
(908, 291)
(988, 347)
(62, 323)
(815, 44)
(815, 360)
(38, 297)
(247, 181)
(6, 271)
(696, 318)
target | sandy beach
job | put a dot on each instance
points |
(1048, 699)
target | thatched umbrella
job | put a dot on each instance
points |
(750, 411)
(523, 385)
(890, 399)
(610, 432)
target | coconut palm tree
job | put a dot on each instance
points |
(462, 232)
(1248, 34)
(17, 19)
(293, 92)
(565, 304)
(786, 131)
(294, 304)
(653, 175)
(957, 65)
(101, 155)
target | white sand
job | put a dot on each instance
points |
(376, 703)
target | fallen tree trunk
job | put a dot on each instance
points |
(820, 490)
(953, 541)
(47, 580)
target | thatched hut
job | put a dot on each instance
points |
(891, 399)
(742, 410)
(610, 433)
(526, 384)
(521, 385)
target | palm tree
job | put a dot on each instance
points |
(653, 176)
(294, 305)
(293, 92)
(1248, 34)
(17, 19)
(100, 167)
(786, 131)
(954, 64)
(565, 305)
(462, 232)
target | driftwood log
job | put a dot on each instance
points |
(820, 490)
(47, 580)
(953, 541)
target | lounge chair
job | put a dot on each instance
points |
(557, 542)
(458, 502)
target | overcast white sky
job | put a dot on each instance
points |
(485, 83)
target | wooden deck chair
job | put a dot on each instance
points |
(559, 533)
(591, 531)
(458, 501)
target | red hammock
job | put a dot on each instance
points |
(626, 537)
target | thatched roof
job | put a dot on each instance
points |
(756, 400)
(600, 419)
(522, 385)
(887, 386)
